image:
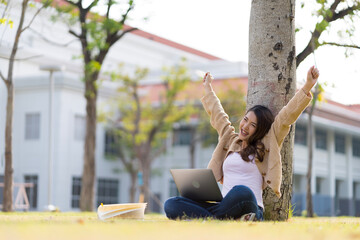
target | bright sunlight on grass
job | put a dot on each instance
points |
(66, 226)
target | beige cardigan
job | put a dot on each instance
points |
(229, 141)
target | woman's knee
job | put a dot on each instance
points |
(170, 207)
(243, 192)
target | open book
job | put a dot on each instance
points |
(125, 210)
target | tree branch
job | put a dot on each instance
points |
(3, 78)
(93, 4)
(44, 5)
(334, 5)
(116, 37)
(51, 42)
(108, 9)
(117, 125)
(340, 45)
(343, 13)
(74, 33)
(72, 3)
(313, 42)
(22, 59)
(124, 16)
(158, 152)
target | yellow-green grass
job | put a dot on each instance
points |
(64, 226)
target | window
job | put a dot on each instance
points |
(319, 184)
(32, 126)
(321, 139)
(155, 204)
(111, 141)
(301, 134)
(356, 146)
(182, 136)
(173, 189)
(80, 126)
(75, 193)
(107, 191)
(339, 143)
(32, 192)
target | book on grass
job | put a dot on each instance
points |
(124, 210)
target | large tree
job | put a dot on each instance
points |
(143, 122)
(272, 81)
(22, 25)
(97, 34)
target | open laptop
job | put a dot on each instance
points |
(197, 184)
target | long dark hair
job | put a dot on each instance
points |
(264, 120)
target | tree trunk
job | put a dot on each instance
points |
(146, 179)
(310, 137)
(272, 81)
(88, 177)
(309, 204)
(192, 148)
(8, 178)
(132, 190)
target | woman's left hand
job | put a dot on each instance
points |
(312, 77)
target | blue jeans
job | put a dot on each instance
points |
(239, 201)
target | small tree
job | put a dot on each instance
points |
(22, 26)
(97, 34)
(317, 96)
(142, 125)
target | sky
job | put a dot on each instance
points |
(221, 28)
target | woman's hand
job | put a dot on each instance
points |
(312, 77)
(207, 82)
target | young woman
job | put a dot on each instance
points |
(245, 162)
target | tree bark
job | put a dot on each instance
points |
(310, 137)
(132, 189)
(309, 204)
(192, 147)
(88, 177)
(146, 170)
(272, 81)
(8, 178)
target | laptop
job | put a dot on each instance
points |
(197, 184)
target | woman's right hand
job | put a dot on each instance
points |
(207, 82)
(207, 78)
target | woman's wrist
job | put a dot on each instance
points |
(307, 88)
(208, 88)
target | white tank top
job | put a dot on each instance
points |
(239, 172)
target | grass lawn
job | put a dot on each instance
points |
(64, 226)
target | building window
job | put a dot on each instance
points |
(301, 134)
(80, 126)
(75, 193)
(31, 192)
(107, 191)
(356, 147)
(321, 139)
(111, 143)
(32, 126)
(155, 204)
(182, 136)
(339, 143)
(173, 189)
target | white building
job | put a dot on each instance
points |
(336, 176)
